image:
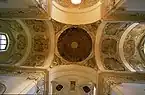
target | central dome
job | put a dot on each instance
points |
(74, 44)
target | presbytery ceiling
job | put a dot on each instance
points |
(115, 46)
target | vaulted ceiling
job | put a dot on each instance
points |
(96, 40)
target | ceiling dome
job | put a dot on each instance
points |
(74, 44)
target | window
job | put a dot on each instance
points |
(3, 42)
(144, 48)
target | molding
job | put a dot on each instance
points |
(121, 43)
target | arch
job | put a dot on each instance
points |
(121, 43)
(84, 15)
(97, 45)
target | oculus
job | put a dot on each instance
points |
(59, 87)
(76, 2)
(86, 89)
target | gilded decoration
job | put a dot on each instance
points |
(37, 25)
(40, 42)
(92, 27)
(116, 28)
(57, 26)
(14, 26)
(35, 60)
(113, 64)
(112, 33)
(21, 42)
(84, 4)
(132, 47)
(31, 12)
(17, 41)
(109, 46)
(89, 63)
(64, 33)
(129, 48)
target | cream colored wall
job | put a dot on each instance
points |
(74, 15)
(50, 57)
(128, 89)
(97, 45)
(20, 84)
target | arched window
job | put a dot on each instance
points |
(3, 42)
(144, 48)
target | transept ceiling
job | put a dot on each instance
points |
(119, 47)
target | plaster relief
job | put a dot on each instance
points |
(40, 43)
(84, 3)
(35, 60)
(21, 43)
(129, 48)
(109, 46)
(113, 64)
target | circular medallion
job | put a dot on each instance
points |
(74, 44)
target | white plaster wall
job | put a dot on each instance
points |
(129, 89)
(18, 84)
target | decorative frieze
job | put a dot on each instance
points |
(40, 42)
(31, 12)
(84, 3)
(21, 42)
(35, 60)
